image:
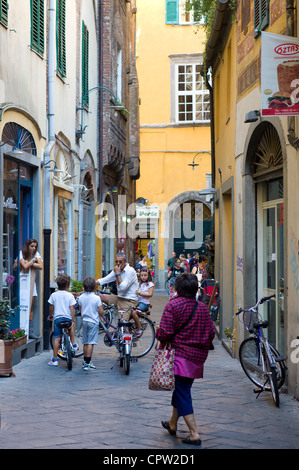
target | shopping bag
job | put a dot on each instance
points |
(162, 370)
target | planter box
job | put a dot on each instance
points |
(19, 342)
(6, 357)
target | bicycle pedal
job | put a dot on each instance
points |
(258, 390)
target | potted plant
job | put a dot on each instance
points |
(76, 287)
(18, 336)
(5, 344)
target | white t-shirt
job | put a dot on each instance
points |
(144, 288)
(62, 301)
(89, 303)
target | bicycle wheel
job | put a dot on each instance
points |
(127, 363)
(108, 316)
(68, 350)
(141, 346)
(251, 362)
(272, 374)
(78, 331)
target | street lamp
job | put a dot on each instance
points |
(197, 164)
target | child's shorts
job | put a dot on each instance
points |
(57, 328)
(143, 306)
(90, 333)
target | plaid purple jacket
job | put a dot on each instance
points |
(194, 341)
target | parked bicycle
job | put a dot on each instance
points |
(261, 362)
(66, 352)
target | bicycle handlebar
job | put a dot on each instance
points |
(261, 301)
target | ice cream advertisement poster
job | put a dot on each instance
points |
(279, 75)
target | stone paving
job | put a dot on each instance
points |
(52, 408)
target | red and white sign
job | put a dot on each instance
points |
(279, 75)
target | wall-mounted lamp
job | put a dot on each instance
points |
(45, 165)
(252, 116)
(196, 164)
(141, 201)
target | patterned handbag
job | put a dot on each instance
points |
(162, 371)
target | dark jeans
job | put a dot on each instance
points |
(181, 396)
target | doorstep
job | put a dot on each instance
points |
(27, 350)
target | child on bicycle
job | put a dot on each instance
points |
(90, 306)
(62, 309)
(145, 293)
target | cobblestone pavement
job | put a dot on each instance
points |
(52, 408)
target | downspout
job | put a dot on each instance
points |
(290, 11)
(47, 181)
(100, 111)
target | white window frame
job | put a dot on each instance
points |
(187, 17)
(193, 94)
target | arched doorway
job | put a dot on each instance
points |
(263, 226)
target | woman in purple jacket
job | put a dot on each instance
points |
(191, 344)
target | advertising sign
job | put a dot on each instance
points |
(147, 212)
(279, 75)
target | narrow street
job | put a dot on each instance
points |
(53, 408)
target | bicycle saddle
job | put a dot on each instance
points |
(65, 324)
(261, 324)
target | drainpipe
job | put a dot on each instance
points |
(46, 169)
(290, 10)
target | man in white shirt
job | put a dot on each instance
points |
(127, 285)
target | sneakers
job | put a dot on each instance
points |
(53, 362)
(87, 366)
(75, 347)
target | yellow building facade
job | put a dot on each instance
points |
(174, 132)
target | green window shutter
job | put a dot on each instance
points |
(60, 38)
(261, 16)
(85, 59)
(172, 11)
(37, 26)
(4, 12)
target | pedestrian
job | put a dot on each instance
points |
(30, 261)
(145, 293)
(193, 260)
(171, 261)
(199, 269)
(62, 309)
(127, 285)
(191, 344)
(90, 306)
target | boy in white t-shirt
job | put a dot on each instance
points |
(62, 309)
(90, 306)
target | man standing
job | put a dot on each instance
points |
(127, 285)
(170, 262)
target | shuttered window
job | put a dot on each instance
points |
(172, 11)
(37, 26)
(85, 59)
(3, 12)
(60, 38)
(261, 16)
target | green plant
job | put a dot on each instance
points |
(76, 286)
(15, 334)
(229, 332)
(5, 312)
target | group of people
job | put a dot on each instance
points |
(194, 265)
(185, 323)
(131, 293)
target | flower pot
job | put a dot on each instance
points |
(19, 342)
(6, 357)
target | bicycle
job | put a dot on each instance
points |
(66, 351)
(141, 344)
(261, 362)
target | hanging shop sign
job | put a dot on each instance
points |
(145, 212)
(279, 75)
